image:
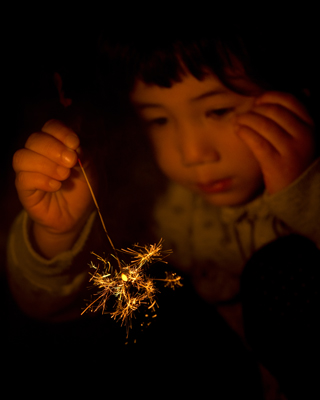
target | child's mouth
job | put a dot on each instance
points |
(218, 186)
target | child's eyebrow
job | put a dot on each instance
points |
(209, 94)
(202, 96)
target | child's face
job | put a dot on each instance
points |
(192, 129)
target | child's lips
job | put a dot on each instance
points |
(216, 186)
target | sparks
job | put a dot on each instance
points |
(172, 280)
(146, 254)
(128, 283)
(132, 288)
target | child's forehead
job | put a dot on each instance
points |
(189, 87)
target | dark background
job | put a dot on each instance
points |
(36, 43)
(32, 50)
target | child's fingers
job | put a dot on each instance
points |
(285, 118)
(28, 161)
(29, 182)
(267, 156)
(51, 148)
(265, 130)
(288, 101)
(62, 133)
(263, 149)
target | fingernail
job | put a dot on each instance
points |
(72, 141)
(79, 151)
(62, 171)
(69, 157)
(55, 185)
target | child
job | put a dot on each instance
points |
(238, 150)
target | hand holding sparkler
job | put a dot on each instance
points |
(59, 198)
(52, 188)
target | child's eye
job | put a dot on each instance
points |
(157, 121)
(219, 112)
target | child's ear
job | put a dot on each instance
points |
(59, 85)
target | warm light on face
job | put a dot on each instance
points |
(192, 129)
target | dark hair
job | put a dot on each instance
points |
(273, 61)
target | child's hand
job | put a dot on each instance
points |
(51, 187)
(280, 133)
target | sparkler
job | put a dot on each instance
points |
(128, 283)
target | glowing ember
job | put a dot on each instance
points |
(124, 277)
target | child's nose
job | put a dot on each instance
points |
(196, 148)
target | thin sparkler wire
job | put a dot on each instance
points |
(98, 209)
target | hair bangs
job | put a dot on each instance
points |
(167, 64)
(164, 61)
